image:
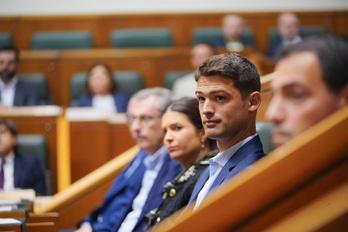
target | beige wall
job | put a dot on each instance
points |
(69, 7)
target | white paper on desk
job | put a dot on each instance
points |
(9, 202)
(5, 208)
(4, 221)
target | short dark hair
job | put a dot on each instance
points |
(11, 48)
(113, 85)
(239, 69)
(189, 106)
(10, 125)
(332, 53)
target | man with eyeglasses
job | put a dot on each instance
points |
(138, 188)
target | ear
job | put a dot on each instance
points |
(254, 100)
(343, 96)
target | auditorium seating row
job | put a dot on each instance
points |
(140, 37)
(180, 26)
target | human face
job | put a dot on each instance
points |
(99, 81)
(182, 139)
(199, 54)
(145, 123)
(7, 141)
(300, 97)
(232, 27)
(8, 65)
(288, 26)
(225, 115)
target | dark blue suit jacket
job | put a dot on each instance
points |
(274, 49)
(118, 200)
(244, 157)
(25, 95)
(121, 101)
(28, 173)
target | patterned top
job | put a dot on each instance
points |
(177, 192)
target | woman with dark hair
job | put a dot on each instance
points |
(187, 143)
(102, 91)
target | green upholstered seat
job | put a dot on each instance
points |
(61, 40)
(263, 129)
(305, 31)
(171, 76)
(39, 81)
(210, 35)
(141, 37)
(5, 39)
(34, 144)
(127, 81)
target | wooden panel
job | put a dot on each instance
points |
(90, 147)
(45, 62)
(40, 226)
(121, 139)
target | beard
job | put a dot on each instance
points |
(7, 76)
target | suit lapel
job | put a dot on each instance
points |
(199, 184)
(17, 171)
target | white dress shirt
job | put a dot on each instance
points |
(153, 165)
(8, 172)
(106, 103)
(8, 92)
(215, 166)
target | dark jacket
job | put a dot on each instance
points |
(121, 101)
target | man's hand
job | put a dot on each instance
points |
(84, 228)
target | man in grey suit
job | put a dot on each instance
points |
(228, 91)
(14, 92)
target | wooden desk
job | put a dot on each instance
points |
(95, 138)
(39, 120)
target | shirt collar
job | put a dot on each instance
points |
(11, 84)
(223, 157)
(152, 160)
(9, 158)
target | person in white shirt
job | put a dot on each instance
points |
(14, 92)
(186, 86)
(228, 91)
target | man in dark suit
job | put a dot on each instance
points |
(228, 88)
(288, 26)
(138, 189)
(310, 83)
(17, 170)
(14, 92)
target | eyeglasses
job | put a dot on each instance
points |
(146, 118)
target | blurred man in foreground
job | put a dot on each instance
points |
(311, 82)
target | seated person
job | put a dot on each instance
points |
(310, 83)
(232, 27)
(17, 170)
(187, 143)
(14, 92)
(102, 92)
(186, 86)
(138, 188)
(288, 26)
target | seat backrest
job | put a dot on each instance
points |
(46, 40)
(39, 81)
(171, 76)
(263, 129)
(5, 39)
(34, 144)
(211, 35)
(141, 37)
(305, 31)
(127, 81)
